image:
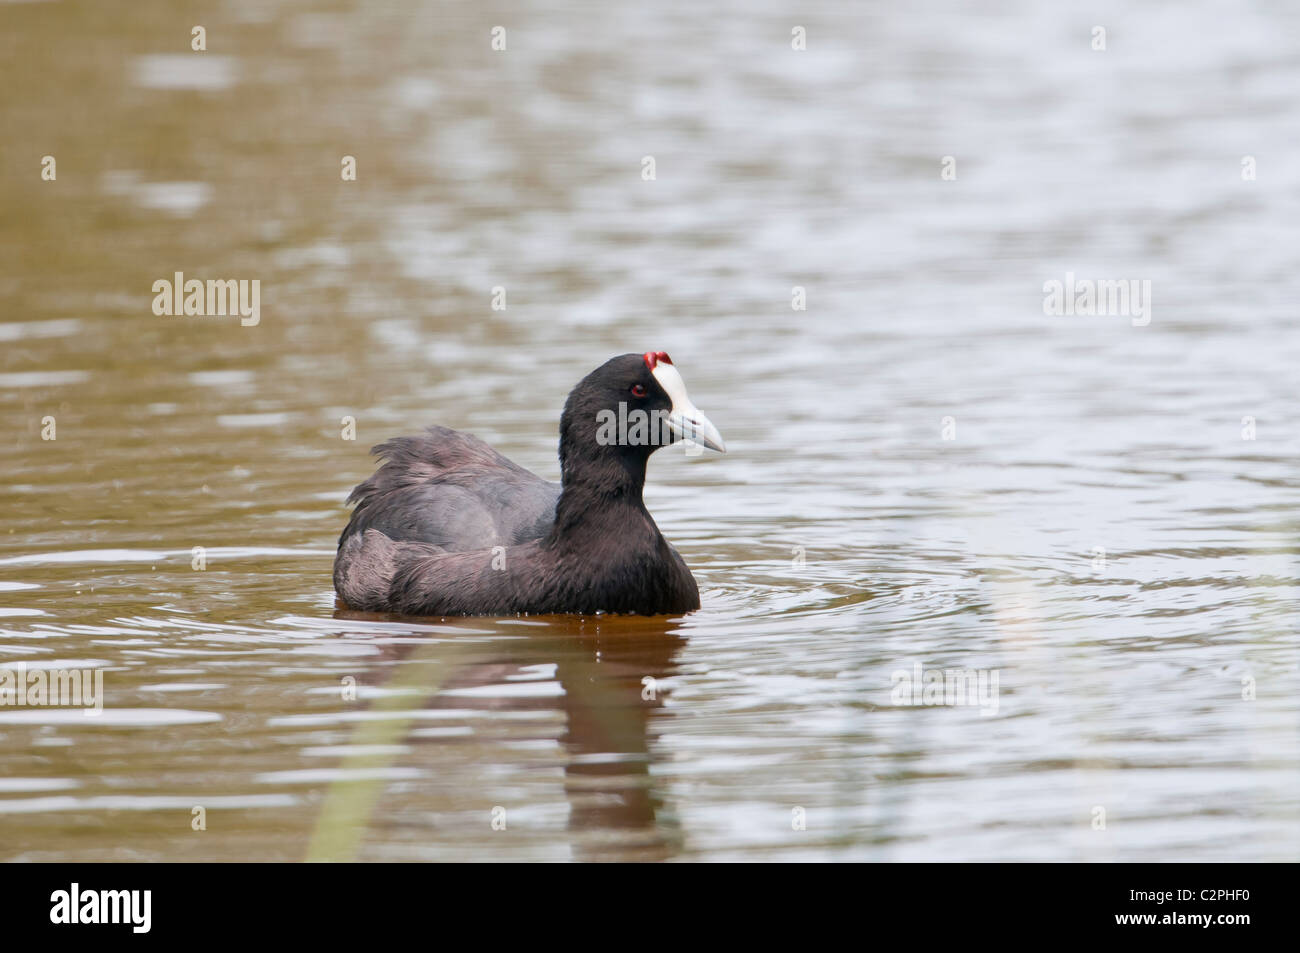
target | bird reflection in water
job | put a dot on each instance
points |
(610, 672)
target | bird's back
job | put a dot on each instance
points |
(451, 490)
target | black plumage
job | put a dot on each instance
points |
(448, 526)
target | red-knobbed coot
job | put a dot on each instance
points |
(448, 526)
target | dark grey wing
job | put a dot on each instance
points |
(453, 491)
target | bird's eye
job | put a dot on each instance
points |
(638, 390)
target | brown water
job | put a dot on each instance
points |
(843, 539)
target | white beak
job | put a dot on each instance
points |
(685, 419)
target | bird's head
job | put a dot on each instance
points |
(629, 407)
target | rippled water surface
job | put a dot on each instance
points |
(925, 469)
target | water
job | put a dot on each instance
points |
(1098, 533)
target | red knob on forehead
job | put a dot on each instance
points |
(652, 358)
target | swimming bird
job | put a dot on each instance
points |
(448, 526)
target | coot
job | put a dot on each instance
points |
(448, 526)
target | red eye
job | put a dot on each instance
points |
(638, 390)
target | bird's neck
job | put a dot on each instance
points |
(603, 493)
